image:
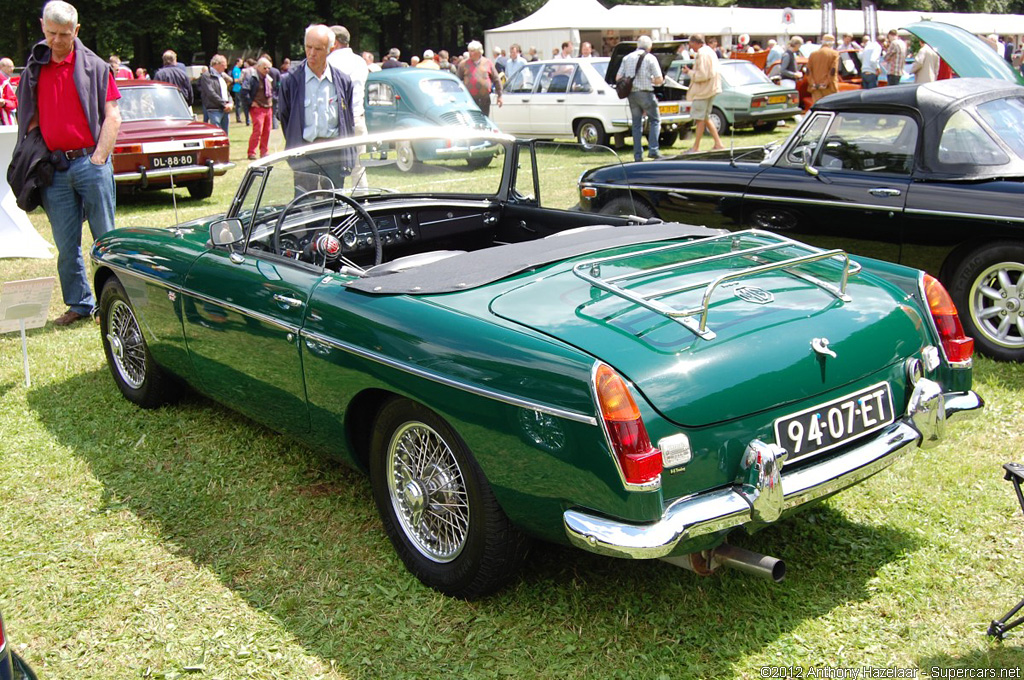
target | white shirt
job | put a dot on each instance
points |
(354, 66)
(869, 57)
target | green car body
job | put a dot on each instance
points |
(509, 362)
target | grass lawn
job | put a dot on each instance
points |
(189, 541)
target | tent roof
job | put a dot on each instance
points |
(578, 14)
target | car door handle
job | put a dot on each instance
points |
(560, 101)
(884, 191)
(287, 301)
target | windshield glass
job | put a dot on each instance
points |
(148, 103)
(745, 73)
(1006, 118)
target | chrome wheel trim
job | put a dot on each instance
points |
(996, 304)
(588, 134)
(428, 492)
(406, 158)
(126, 344)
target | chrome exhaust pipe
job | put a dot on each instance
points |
(705, 563)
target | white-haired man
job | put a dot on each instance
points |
(478, 74)
(68, 93)
(213, 88)
(259, 90)
(315, 98)
(646, 73)
(354, 66)
(8, 98)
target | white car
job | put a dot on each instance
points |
(570, 98)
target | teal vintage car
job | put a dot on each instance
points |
(506, 369)
(413, 98)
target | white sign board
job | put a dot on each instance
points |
(25, 304)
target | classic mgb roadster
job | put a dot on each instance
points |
(506, 369)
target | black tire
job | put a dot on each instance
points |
(666, 139)
(424, 477)
(200, 189)
(479, 162)
(987, 287)
(720, 121)
(139, 378)
(765, 126)
(627, 207)
(590, 132)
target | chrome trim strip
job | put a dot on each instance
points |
(720, 509)
(218, 170)
(450, 382)
(263, 318)
(966, 216)
(134, 272)
(831, 204)
(664, 189)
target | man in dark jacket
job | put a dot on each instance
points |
(68, 92)
(174, 73)
(215, 91)
(316, 100)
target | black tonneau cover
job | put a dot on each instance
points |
(481, 267)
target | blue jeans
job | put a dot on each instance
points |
(868, 81)
(641, 102)
(83, 191)
(220, 119)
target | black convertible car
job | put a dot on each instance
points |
(931, 176)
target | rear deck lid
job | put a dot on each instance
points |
(755, 351)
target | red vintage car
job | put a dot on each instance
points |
(160, 142)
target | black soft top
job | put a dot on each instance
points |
(933, 104)
(469, 270)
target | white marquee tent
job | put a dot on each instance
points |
(577, 20)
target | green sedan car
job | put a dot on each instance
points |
(506, 369)
(748, 98)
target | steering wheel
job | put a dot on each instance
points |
(358, 214)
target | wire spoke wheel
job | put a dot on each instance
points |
(126, 344)
(428, 492)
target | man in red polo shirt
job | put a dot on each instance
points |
(69, 94)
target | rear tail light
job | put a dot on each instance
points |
(758, 102)
(639, 461)
(956, 346)
(794, 98)
(128, 148)
(216, 143)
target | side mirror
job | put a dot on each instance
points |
(806, 154)
(226, 232)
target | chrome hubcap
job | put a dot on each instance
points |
(997, 304)
(126, 345)
(589, 134)
(428, 492)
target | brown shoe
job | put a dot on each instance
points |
(69, 317)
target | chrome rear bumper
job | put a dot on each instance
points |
(767, 489)
(199, 171)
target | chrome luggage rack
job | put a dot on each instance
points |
(695, 319)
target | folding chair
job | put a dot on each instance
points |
(999, 629)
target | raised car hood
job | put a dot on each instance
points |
(760, 359)
(140, 131)
(966, 53)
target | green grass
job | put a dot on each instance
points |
(189, 541)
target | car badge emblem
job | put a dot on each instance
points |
(752, 294)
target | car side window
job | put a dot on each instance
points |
(882, 143)
(556, 78)
(965, 142)
(523, 81)
(808, 138)
(580, 83)
(379, 94)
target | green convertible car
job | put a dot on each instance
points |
(505, 368)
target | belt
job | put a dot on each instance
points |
(78, 153)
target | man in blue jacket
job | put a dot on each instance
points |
(315, 102)
(68, 92)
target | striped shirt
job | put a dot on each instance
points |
(649, 70)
